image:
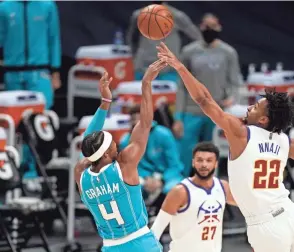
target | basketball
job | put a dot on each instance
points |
(155, 22)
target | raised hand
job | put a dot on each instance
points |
(153, 70)
(104, 86)
(166, 55)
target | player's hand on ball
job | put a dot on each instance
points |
(153, 70)
(104, 86)
(166, 55)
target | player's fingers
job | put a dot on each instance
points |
(164, 47)
(110, 80)
(159, 48)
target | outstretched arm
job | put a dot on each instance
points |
(97, 121)
(200, 94)
(131, 155)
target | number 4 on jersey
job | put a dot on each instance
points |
(114, 215)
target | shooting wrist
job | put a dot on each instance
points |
(106, 100)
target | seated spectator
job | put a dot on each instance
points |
(160, 165)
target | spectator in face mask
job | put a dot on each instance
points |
(214, 63)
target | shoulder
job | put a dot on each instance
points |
(192, 47)
(228, 48)
(179, 192)
(136, 13)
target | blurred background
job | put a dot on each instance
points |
(52, 57)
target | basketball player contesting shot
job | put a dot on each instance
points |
(109, 182)
(195, 207)
(259, 150)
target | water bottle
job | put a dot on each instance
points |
(118, 39)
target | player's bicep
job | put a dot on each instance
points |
(227, 122)
(175, 200)
(137, 146)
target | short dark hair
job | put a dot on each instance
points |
(280, 111)
(135, 110)
(206, 147)
(91, 143)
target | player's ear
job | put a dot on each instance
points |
(263, 120)
(216, 165)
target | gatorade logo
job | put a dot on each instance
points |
(44, 128)
(120, 70)
(5, 170)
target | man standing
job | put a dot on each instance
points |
(215, 63)
(29, 35)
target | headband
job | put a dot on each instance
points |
(103, 148)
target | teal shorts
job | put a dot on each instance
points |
(144, 243)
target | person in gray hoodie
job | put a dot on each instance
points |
(215, 63)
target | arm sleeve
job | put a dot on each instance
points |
(161, 222)
(186, 25)
(234, 74)
(54, 38)
(96, 124)
(133, 34)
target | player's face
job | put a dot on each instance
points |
(204, 164)
(210, 22)
(257, 113)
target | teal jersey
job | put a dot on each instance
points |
(118, 208)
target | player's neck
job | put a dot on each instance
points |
(98, 167)
(207, 184)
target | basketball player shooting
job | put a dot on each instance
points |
(109, 184)
(195, 208)
(259, 150)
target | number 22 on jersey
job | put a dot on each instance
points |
(266, 174)
(114, 215)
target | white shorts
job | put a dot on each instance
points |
(273, 232)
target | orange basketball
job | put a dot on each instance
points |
(155, 22)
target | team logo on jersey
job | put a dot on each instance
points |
(210, 211)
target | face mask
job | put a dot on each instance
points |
(210, 35)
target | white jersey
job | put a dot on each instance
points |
(198, 225)
(256, 177)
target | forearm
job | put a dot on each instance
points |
(160, 224)
(98, 120)
(196, 89)
(146, 109)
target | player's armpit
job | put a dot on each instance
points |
(175, 200)
(79, 168)
(229, 197)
